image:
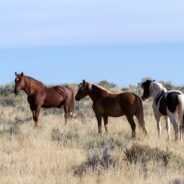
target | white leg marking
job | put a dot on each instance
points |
(157, 117)
(181, 114)
(167, 126)
(174, 121)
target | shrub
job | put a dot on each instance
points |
(95, 162)
(177, 181)
(143, 154)
(6, 90)
(106, 84)
(101, 142)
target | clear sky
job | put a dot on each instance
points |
(64, 41)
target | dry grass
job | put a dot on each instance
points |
(56, 153)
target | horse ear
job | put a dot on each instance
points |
(16, 74)
(84, 82)
(22, 74)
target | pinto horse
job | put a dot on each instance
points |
(40, 96)
(107, 104)
(169, 104)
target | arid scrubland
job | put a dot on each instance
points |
(74, 153)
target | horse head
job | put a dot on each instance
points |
(83, 90)
(146, 89)
(19, 82)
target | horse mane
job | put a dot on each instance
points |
(101, 89)
(161, 86)
(36, 82)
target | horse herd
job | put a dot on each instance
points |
(169, 104)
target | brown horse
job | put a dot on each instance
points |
(40, 96)
(107, 104)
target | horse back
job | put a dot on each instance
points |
(116, 104)
(128, 98)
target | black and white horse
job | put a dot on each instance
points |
(169, 104)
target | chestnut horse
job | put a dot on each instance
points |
(40, 96)
(107, 104)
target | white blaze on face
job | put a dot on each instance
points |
(17, 79)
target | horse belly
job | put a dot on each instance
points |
(113, 110)
(53, 101)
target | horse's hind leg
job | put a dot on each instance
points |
(157, 117)
(173, 119)
(66, 118)
(167, 126)
(67, 111)
(71, 112)
(132, 124)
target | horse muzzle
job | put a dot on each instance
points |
(77, 98)
(16, 92)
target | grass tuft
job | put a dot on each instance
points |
(96, 162)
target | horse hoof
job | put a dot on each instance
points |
(37, 126)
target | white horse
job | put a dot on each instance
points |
(169, 104)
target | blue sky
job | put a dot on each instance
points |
(66, 41)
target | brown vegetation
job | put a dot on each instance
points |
(75, 154)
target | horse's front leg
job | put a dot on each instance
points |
(99, 120)
(36, 115)
(33, 113)
(67, 112)
(33, 110)
(132, 124)
(105, 118)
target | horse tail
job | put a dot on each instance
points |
(72, 104)
(140, 114)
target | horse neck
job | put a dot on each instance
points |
(96, 92)
(31, 86)
(156, 89)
